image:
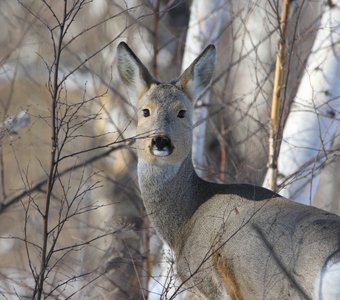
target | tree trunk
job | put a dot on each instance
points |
(204, 28)
(311, 125)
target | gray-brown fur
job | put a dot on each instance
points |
(240, 240)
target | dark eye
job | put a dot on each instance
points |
(181, 114)
(146, 112)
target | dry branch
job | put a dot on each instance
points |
(276, 100)
(38, 187)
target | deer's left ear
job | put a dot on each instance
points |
(198, 75)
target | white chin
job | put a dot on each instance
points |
(160, 153)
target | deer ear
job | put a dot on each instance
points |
(132, 71)
(198, 75)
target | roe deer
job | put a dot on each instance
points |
(230, 240)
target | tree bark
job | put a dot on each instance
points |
(311, 124)
(204, 28)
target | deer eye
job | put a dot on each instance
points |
(146, 112)
(181, 114)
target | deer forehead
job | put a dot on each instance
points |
(165, 97)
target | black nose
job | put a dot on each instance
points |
(161, 142)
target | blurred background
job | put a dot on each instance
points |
(72, 224)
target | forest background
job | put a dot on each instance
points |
(72, 224)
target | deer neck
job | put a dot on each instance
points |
(169, 194)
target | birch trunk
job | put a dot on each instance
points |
(249, 83)
(204, 28)
(247, 89)
(311, 124)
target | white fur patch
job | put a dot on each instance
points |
(161, 153)
(330, 285)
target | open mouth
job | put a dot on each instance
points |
(161, 146)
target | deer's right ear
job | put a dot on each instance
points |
(132, 71)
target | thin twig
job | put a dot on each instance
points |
(55, 92)
(276, 99)
(38, 187)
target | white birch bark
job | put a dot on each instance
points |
(312, 121)
(14, 123)
(248, 88)
(204, 28)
